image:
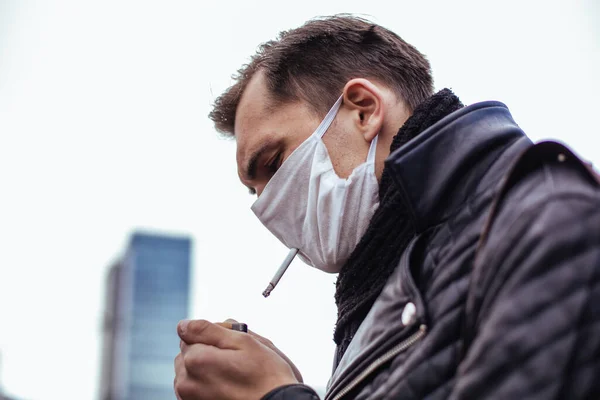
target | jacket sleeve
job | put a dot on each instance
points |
(535, 333)
(292, 392)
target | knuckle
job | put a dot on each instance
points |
(184, 388)
(192, 361)
(198, 360)
(178, 361)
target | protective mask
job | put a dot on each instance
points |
(308, 207)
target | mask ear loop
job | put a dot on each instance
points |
(372, 152)
(326, 123)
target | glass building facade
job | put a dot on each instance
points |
(148, 293)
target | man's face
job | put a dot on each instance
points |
(266, 136)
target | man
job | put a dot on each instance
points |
(468, 258)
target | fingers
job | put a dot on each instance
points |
(204, 332)
(186, 388)
(182, 385)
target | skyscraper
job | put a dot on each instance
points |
(2, 395)
(147, 294)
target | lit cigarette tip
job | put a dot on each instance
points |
(268, 290)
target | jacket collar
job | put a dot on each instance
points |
(440, 169)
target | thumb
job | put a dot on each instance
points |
(200, 331)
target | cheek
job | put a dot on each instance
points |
(346, 153)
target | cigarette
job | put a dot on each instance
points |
(284, 266)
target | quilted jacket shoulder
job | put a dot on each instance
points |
(532, 315)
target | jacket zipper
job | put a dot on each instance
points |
(378, 362)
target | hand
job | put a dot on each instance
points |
(217, 363)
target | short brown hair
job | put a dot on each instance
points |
(315, 61)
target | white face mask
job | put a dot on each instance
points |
(308, 207)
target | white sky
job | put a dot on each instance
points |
(104, 129)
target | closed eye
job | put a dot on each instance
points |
(274, 165)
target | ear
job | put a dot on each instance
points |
(365, 102)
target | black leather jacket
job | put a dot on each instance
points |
(498, 296)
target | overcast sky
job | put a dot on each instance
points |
(104, 130)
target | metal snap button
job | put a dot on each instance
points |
(409, 314)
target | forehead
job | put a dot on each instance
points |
(258, 120)
(252, 110)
